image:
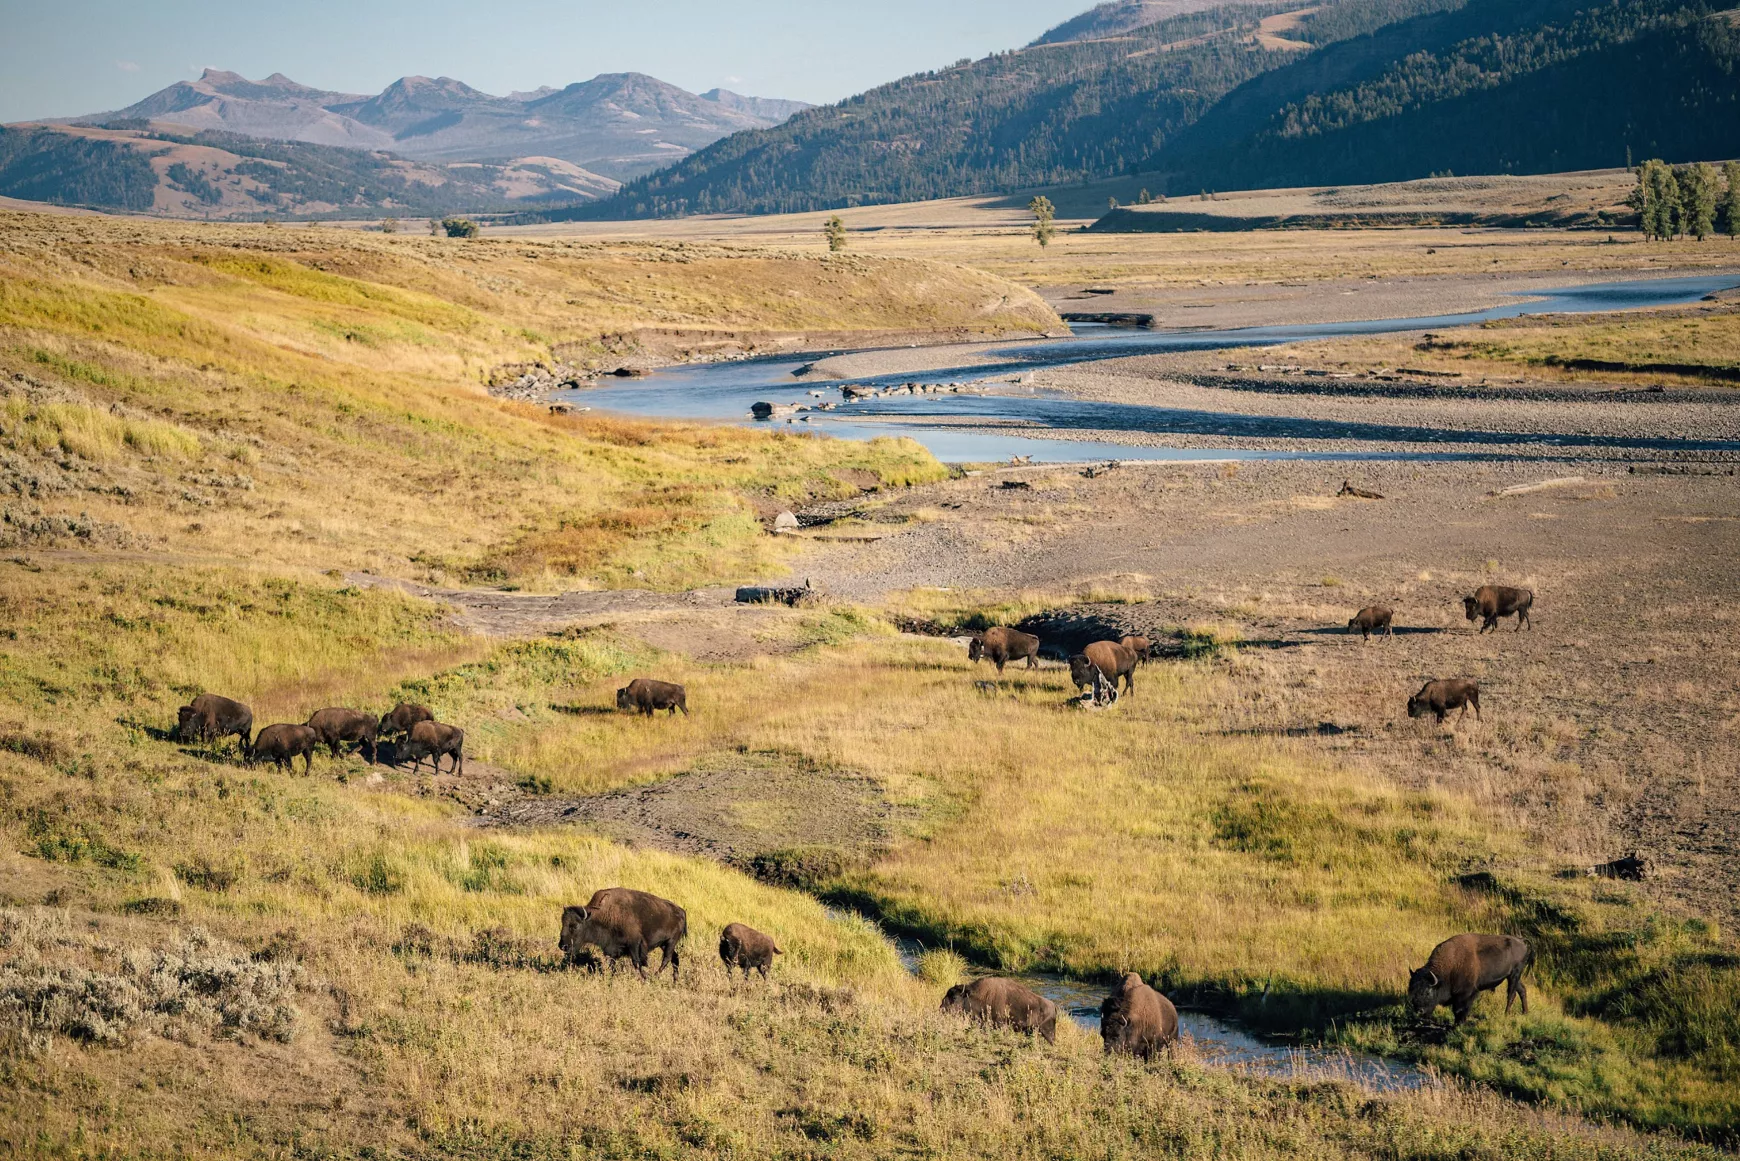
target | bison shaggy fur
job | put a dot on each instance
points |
(1443, 695)
(1372, 619)
(210, 717)
(1463, 966)
(283, 744)
(399, 721)
(741, 946)
(1137, 1019)
(434, 740)
(622, 922)
(1490, 602)
(1110, 658)
(1001, 646)
(336, 726)
(1006, 1004)
(644, 695)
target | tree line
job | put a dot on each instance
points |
(1680, 201)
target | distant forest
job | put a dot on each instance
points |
(42, 165)
(1394, 89)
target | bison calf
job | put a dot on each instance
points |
(1006, 1004)
(1443, 695)
(1137, 1019)
(398, 723)
(434, 740)
(620, 921)
(645, 695)
(746, 948)
(283, 744)
(1462, 967)
(1002, 646)
(1372, 619)
(336, 726)
(1142, 647)
(1109, 658)
(1490, 602)
(211, 717)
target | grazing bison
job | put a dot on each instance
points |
(1142, 647)
(283, 744)
(1372, 619)
(1006, 1003)
(1443, 695)
(1463, 966)
(211, 717)
(646, 695)
(345, 725)
(1137, 1019)
(746, 948)
(1110, 658)
(1002, 646)
(434, 740)
(399, 722)
(623, 922)
(1490, 602)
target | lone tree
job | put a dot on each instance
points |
(1043, 226)
(459, 227)
(1697, 189)
(389, 225)
(834, 230)
(1731, 200)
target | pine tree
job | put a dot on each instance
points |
(1731, 200)
(1142, 198)
(1697, 196)
(1043, 213)
(834, 230)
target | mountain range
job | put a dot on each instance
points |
(617, 125)
(1249, 95)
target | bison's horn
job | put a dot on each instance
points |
(1433, 977)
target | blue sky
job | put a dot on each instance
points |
(62, 58)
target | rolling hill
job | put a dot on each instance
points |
(1249, 96)
(616, 125)
(223, 175)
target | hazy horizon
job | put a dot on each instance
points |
(89, 56)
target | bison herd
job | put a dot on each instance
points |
(1101, 665)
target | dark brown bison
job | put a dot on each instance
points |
(1372, 619)
(1110, 658)
(1142, 647)
(1490, 602)
(398, 723)
(434, 740)
(1004, 1003)
(1443, 695)
(1002, 646)
(336, 726)
(645, 695)
(1137, 1019)
(1463, 966)
(746, 948)
(283, 744)
(211, 717)
(622, 922)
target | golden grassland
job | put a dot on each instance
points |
(204, 391)
(1683, 346)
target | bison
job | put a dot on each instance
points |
(398, 723)
(646, 695)
(1137, 1019)
(1372, 619)
(434, 740)
(1443, 695)
(211, 717)
(1002, 646)
(1463, 966)
(345, 725)
(746, 948)
(283, 744)
(1142, 647)
(1110, 658)
(619, 922)
(1490, 602)
(1006, 1003)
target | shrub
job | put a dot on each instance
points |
(459, 227)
